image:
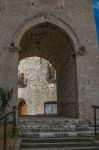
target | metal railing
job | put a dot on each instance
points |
(95, 118)
(5, 123)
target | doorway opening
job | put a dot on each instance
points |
(50, 42)
(22, 108)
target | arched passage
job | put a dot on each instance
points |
(36, 83)
(52, 43)
(22, 108)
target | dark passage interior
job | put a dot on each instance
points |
(52, 43)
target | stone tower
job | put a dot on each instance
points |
(62, 32)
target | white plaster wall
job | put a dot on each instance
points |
(38, 90)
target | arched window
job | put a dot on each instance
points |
(51, 74)
(22, 81)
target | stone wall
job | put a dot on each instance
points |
(38, 89)
(78, 17)
(68, 96)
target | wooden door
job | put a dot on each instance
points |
(22, 109)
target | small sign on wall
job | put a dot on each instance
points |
(52, 3)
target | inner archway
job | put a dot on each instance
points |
(48, 41)
(37, 85)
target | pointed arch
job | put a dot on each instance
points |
(43, 18)
(57, 45)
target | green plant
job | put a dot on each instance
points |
(5, 97)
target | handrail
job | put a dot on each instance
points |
(94, 106)
(4, 118)
(6, 114)
(95, 118)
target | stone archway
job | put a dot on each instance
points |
(22, 108)
(52, 43)
(42, 18)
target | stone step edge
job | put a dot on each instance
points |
(70, 148)
(63, 138)
(72, 133)
(81, 144)
(60, 130)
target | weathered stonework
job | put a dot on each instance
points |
(76, 19)
(38, 89)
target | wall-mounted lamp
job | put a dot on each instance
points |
(13, 48)
(81, 51)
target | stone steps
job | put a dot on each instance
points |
(36, 125)
(65, 128)
(52, 140)
(70, 148)
(42, 133)
(54, 145)
(58, 143)
(56, 134)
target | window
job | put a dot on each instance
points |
(51, 74)
(22, 81)
(50, 107)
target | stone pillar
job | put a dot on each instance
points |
(10, 78)
(67, 89)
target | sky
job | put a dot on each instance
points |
(96, 12)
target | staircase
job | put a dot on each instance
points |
(54, 133)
